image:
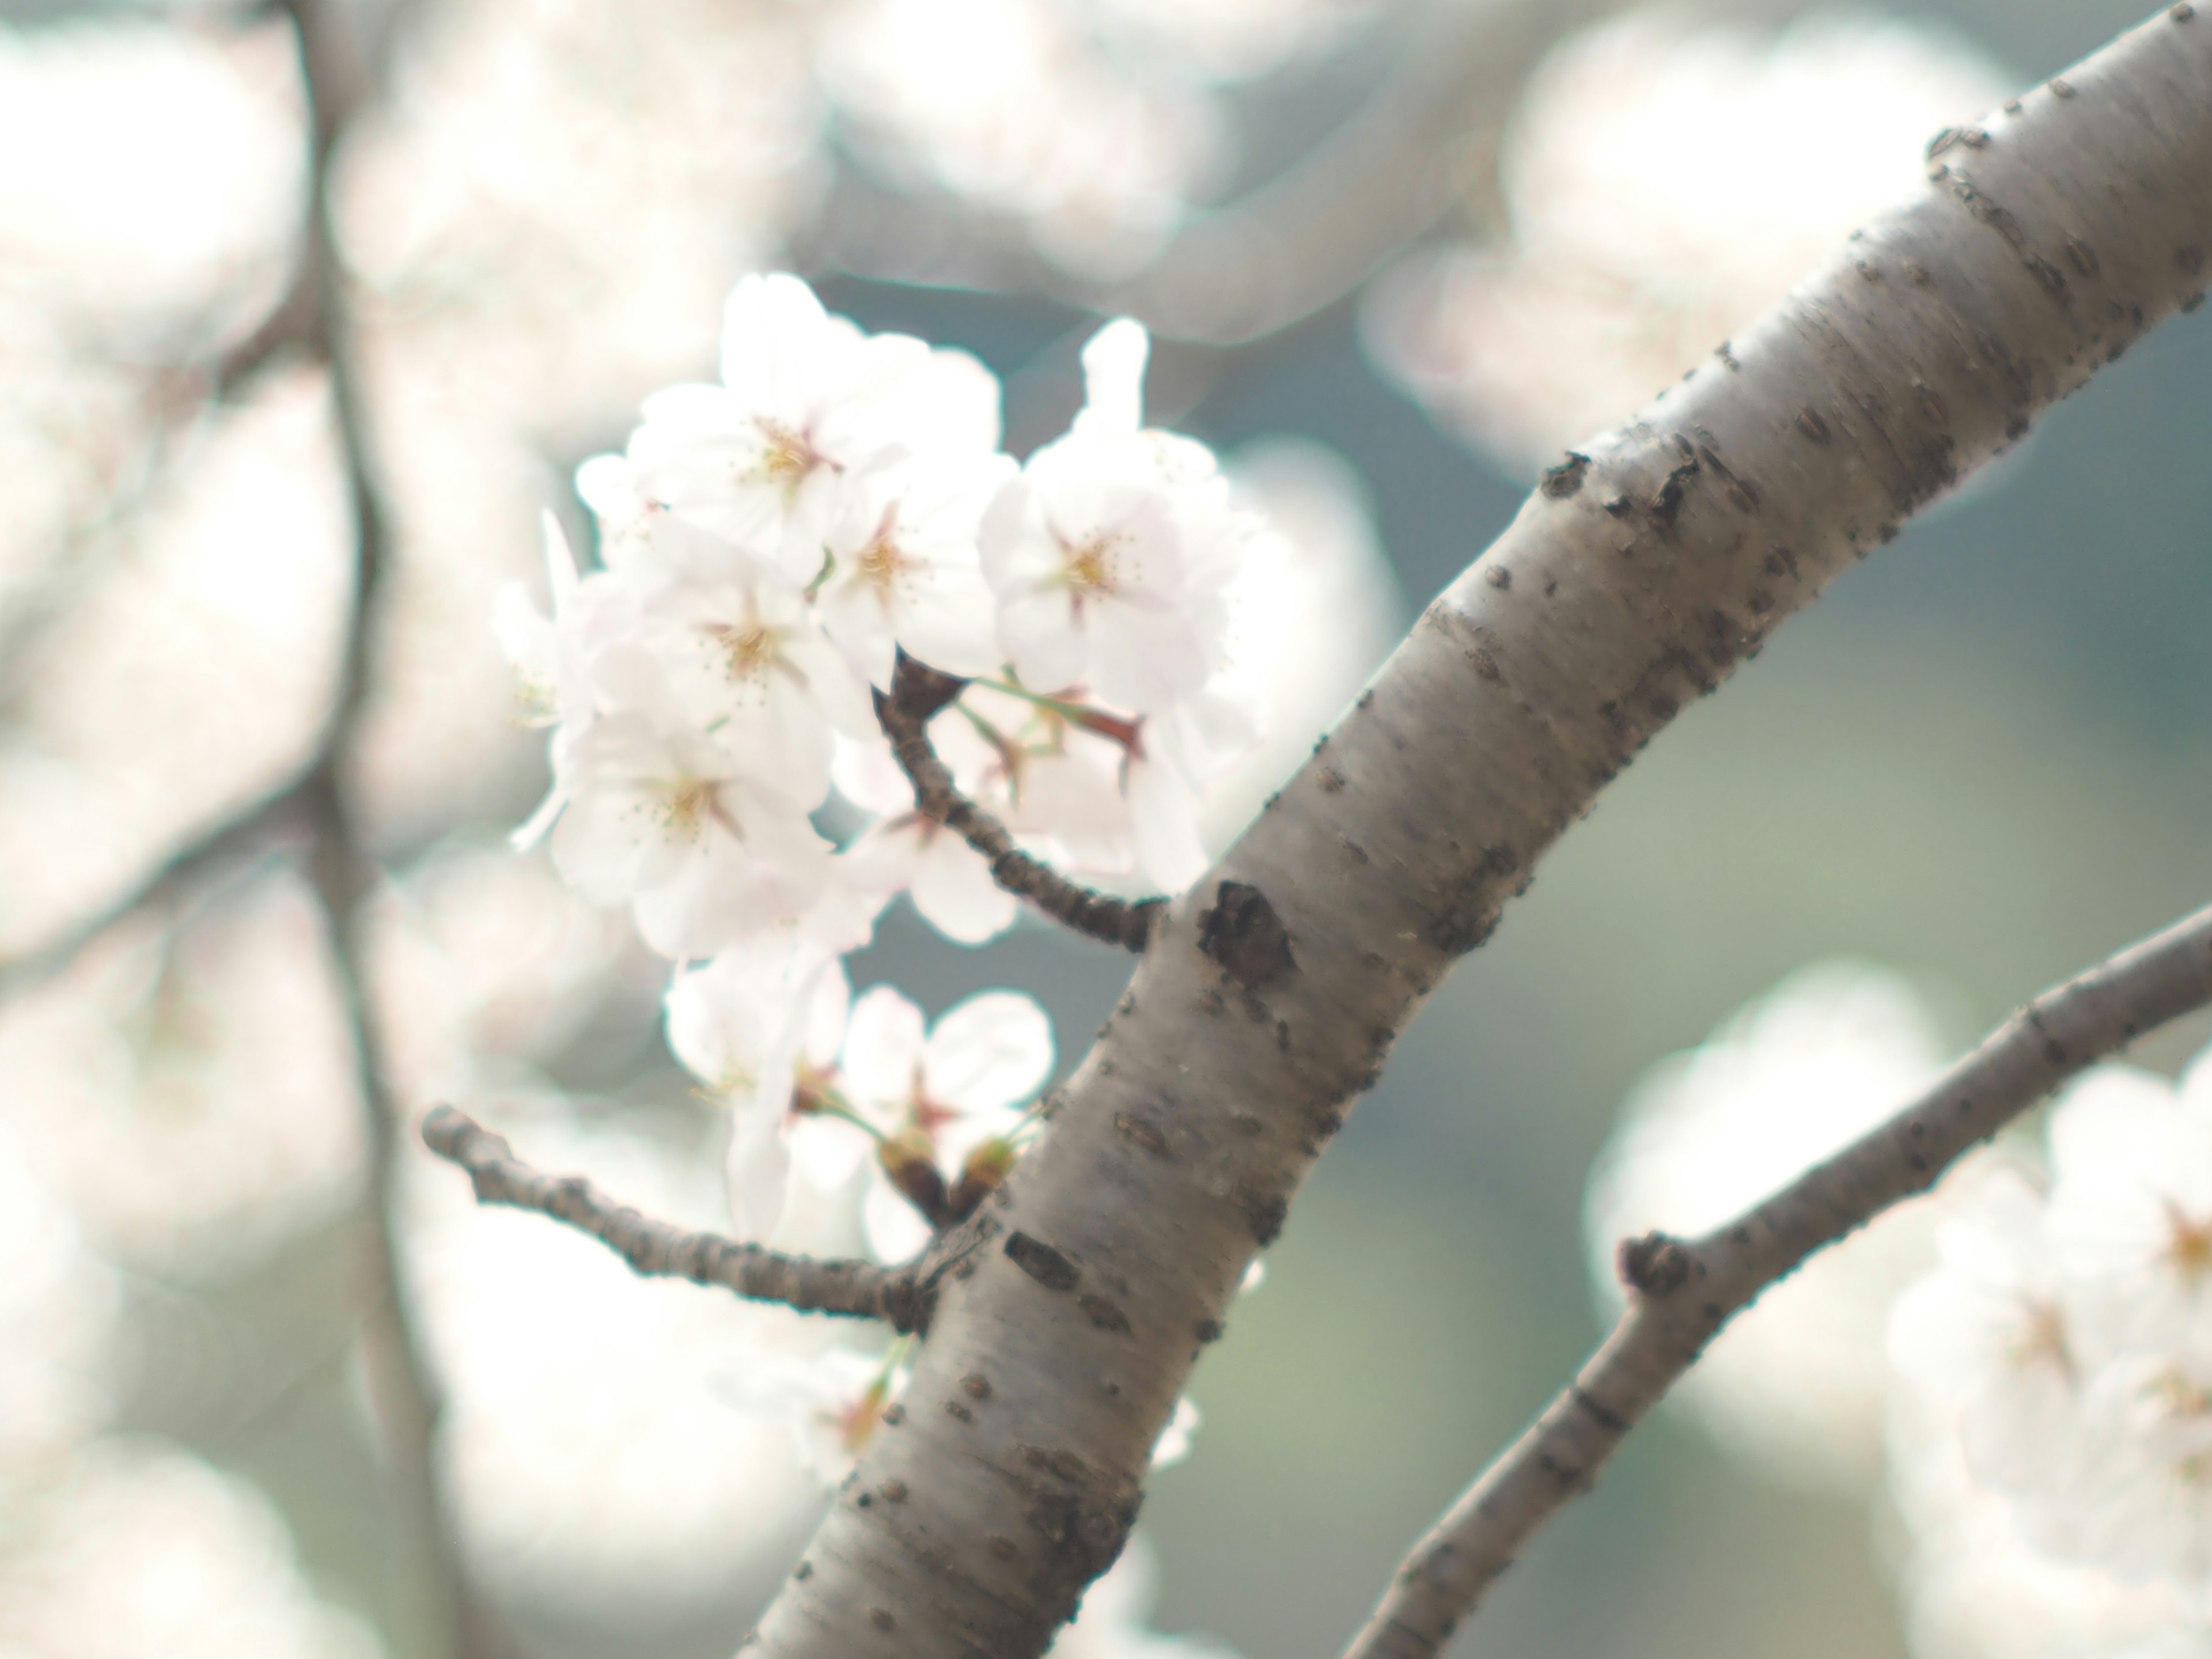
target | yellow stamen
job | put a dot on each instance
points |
(1089, 568)
(2043, 1341)
(2189, 1245)
(685, 806)
(787, 457)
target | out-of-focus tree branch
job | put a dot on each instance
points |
(238, 839)
(337, 66)
(1682, 1291)
(1423, 145)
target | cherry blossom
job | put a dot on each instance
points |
(1987, 1336)
(762, 460)
(1109, 553)
(2131, 1207)
(550, 656)
(904, 572)
(2060, 1343)
(660, 815)
(762, 1044)
(946, 1100)
(831, 1403)
(749, 663)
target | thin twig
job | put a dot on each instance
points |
(917, 693)
(1681, 1291)
(859, 1289)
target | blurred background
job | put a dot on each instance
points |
(1398, 253)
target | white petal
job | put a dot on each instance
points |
(882, 1046)
(1113, 379)
(1042, 637)
(759, 1171)
(896, 1230)
(955, 892)
(992, 1050)
(1163, 824)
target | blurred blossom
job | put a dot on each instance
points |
(543, 213)
(153, 189)
(595, 1453)
(1313, 609)
(1013, 105)
(195, 677)
(1109, 1624)
(829, 1402)
(143, 1550)
(57, 1303)
(550, 204)
(1974, 1588)
(190, 1088)
(1654, 210)
(1798, 1382)
(2062, 1348)
(1173, 1447)
(1093, 123)
(484, 967)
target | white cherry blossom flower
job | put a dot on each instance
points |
(949, 881)
(759, 1039)
(748, 661)
(2131, 1206)
(904, 572)
(2138, 1499)
(1109, 553)
(661, 815)
(551, 657)
(831, 1403)
(807, 399)
(947, 1101)
(1986, 1337)
(1974, 1586)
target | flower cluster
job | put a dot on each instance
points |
(2066, 1336)
(773, 544)
(770, 548)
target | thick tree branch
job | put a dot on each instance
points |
(1634, 581)
(860, 1290)
(1681, 1291)
(917, 693)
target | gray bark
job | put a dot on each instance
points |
(1632, 582)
